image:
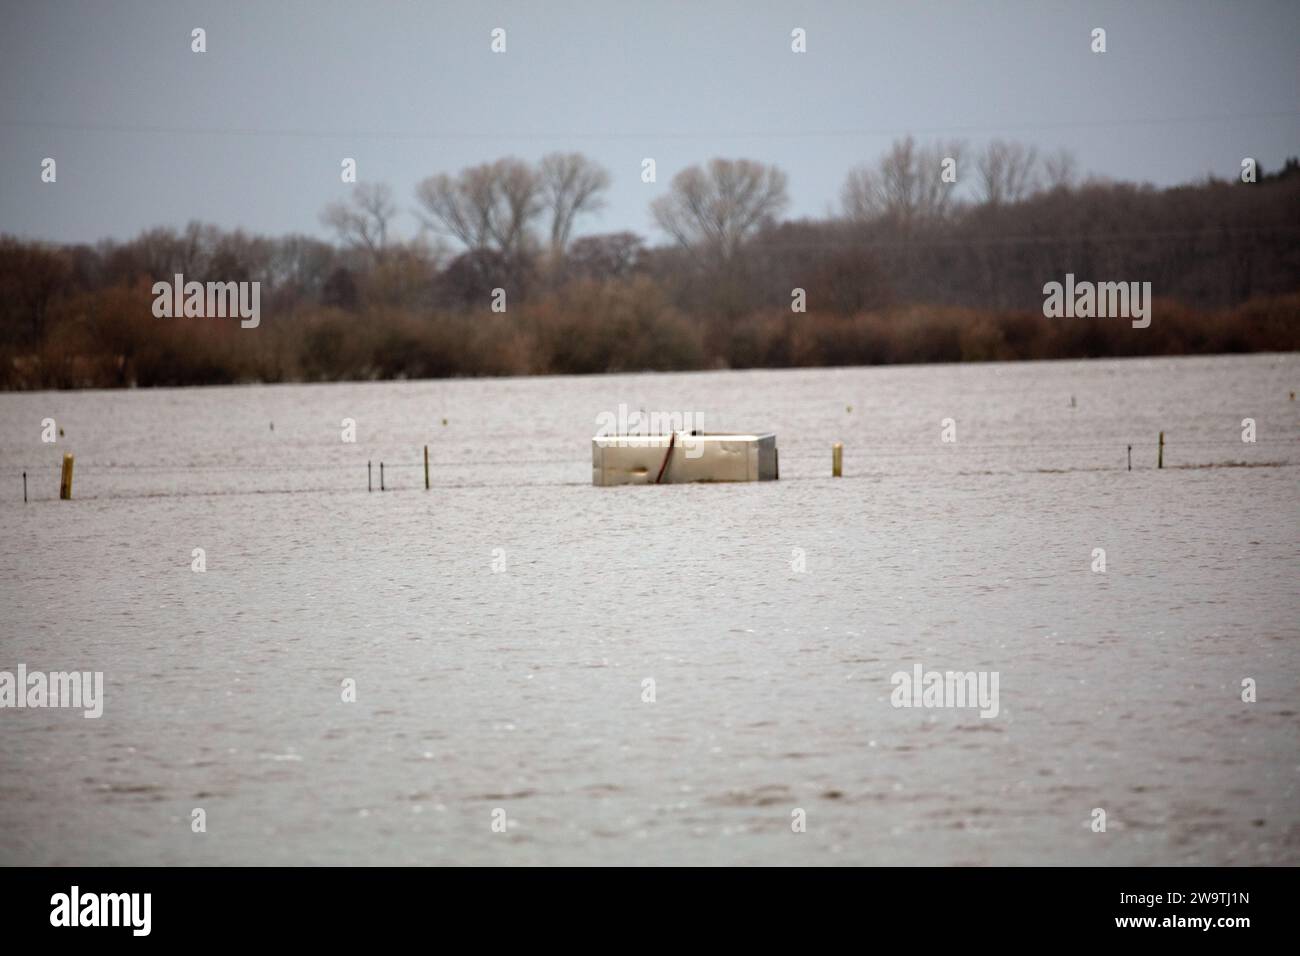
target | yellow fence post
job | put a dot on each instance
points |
(65, 481)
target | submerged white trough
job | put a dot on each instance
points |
(682, 457)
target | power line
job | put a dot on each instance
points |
(421, 135)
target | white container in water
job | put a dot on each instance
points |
(682, 457)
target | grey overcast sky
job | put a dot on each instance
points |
(251, 133)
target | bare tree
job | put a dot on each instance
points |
(164, 251)
(571, 185)
(362, 221)
(1060, 169)
(517, 201)
(487, 206)
(906, 185)
(608, 256)
(31, 277)
(1008, 172)
(460, 206)
(720, 206)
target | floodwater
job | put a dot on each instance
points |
(501, 627)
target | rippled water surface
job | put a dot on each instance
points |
(522, 688)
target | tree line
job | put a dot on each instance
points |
(935, 254)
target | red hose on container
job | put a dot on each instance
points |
(668, 454)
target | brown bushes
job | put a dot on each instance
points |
(110, 338)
